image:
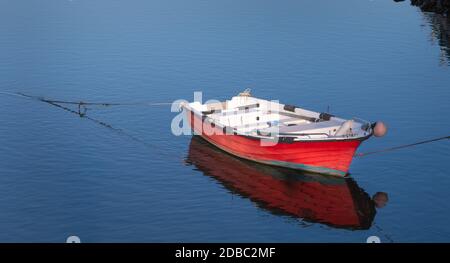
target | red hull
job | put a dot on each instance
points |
(338, 202)
(328, 157)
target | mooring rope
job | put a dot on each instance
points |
(401, 146)
(85, 103)
(82, 113)
(381, 231)
(16, 94)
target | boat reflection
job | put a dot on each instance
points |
(337, 202)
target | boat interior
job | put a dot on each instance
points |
(262, 118)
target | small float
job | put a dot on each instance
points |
(282, 135)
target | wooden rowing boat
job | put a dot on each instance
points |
(283, 135)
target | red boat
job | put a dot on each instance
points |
(337, 202)
(283, 135)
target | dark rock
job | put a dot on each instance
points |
(436, 6)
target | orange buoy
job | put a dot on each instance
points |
(380, 129)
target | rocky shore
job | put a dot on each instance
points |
(436, 6)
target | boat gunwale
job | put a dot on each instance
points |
(281, 139)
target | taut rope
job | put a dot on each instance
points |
(401, 146)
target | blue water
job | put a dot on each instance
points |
(63, 175)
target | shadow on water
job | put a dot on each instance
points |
(440, 33)
(336, 202)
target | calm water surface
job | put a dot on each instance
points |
(62, 175)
